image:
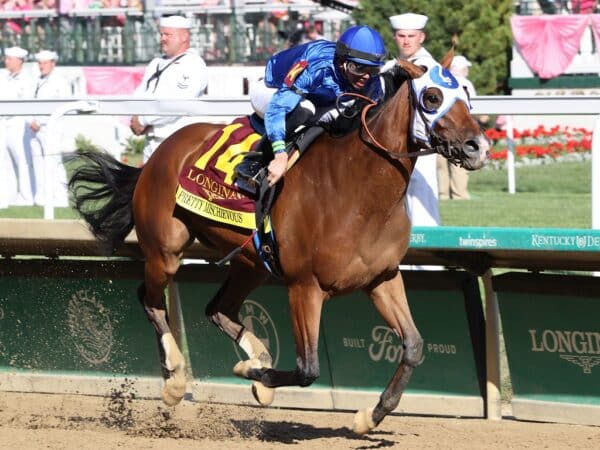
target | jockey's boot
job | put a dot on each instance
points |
(251, 171)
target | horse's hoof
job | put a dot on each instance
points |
(241, 368)
(363, 421)
(262, 394)
(173, 390)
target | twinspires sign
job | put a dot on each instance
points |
(552, 334)
(506, 238)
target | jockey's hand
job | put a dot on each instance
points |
(277, 167)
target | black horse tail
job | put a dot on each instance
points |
(102, 191)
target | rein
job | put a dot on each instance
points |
(374, 141)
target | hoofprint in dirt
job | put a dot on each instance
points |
(52, 421)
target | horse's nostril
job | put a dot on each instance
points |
(470, 146)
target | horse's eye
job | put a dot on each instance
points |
(432, 99)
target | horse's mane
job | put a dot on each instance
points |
(393, 79)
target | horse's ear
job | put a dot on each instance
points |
(447, 60)
(411, 69)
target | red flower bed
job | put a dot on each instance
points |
(540, 142)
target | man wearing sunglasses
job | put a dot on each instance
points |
(301, 86)
(422, 194)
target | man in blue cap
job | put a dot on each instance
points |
(301, 86)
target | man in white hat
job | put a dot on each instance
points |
(452, 179)
(14, 166)
(460, 69)
(422, 194)
(51, 84)
(409, 36)
(179, 73)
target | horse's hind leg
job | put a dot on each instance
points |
(159, 271)
(223, 311)
(389, 298)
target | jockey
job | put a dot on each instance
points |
(302, 83)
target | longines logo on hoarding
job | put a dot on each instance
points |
(90, 327)
(385, 345)
(257, 320)
(577, 347)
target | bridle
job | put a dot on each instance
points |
(439, 145)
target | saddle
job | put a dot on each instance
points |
(252, 170)
(211, 186)
(251, 177)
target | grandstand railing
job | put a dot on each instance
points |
(242, 34)
(214, 109)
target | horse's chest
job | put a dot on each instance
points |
(358, 267)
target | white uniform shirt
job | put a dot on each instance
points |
(52, 86)
(422, 53)
(14, 86)
(422, 193)
(16, 182)
(183, 76)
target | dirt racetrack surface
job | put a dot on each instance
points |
(52, 421)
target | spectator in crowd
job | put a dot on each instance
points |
(44, 4)
(17, 26)
(14, 166)
(295, 36)
(422, 194)
(452, 179)
(311, 33)
(548, 6)
(559, 6)
(49, 85)
(179, 73)
(583, 6)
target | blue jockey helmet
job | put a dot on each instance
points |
(361, 44)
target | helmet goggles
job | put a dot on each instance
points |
(360, 70)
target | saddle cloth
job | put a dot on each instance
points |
(207, 188)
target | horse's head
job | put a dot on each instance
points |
(441, 117)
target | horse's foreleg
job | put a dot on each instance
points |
(305, 308)
(151, 294)
(390, 301)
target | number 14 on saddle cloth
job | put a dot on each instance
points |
(207, 187)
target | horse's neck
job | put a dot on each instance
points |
(391, 125)
(375, 174)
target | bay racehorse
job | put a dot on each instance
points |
(339, 218)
